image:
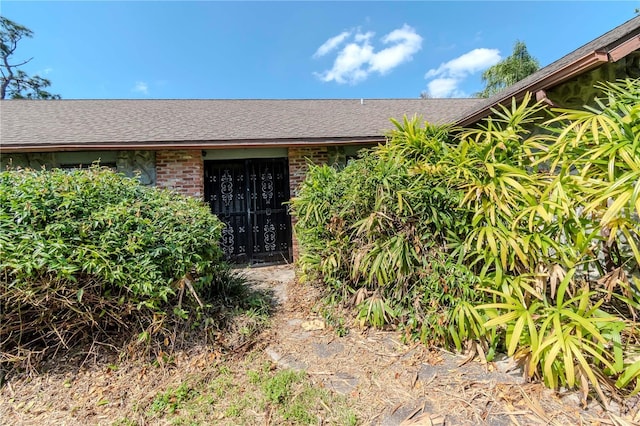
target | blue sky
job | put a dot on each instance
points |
(293, 50)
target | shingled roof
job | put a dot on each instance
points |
(31, 125)
(609, 47)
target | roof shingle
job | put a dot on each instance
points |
(69, 124)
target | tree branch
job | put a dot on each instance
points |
(15, 83)
(17, 65)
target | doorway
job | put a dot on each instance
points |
(248, 196)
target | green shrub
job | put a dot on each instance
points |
(90, 250)
(377, 231)
(556, 234)
(522, 233)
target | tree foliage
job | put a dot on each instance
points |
(16, 83)
(510, 70)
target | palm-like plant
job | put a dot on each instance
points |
(603, 144)
(556, 210)
(524, 231)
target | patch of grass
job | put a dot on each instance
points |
(170, 401)
(221, 384)
(234, 410)
(277, 389)
(243, 393)
(298, 400)
(242, 406)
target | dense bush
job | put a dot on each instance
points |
(377, 233)
(556, 231)
(90, 251)
(523, 234)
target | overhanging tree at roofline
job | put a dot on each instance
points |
(510, 70)
(15, 83)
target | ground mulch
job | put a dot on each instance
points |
(387, 381)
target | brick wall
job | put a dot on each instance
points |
(298, 163)
(298, 167)
(181, 171)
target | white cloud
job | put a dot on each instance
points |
(358, 59)
(331, 44)
(449, 75)
(141, 87)
(364, 37)
(469, 63)
(348, 66)
(443, 88)
(407, 42)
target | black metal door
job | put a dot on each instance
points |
(248, 196)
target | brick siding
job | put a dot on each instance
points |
(298, 167)
(181, 171)
(298, 163)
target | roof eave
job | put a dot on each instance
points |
(193, 145)
(584, 64)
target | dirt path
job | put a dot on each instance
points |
(395, 383)
(385, 381)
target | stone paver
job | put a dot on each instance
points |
(327, 350)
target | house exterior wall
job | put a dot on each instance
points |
(37, 160)
(298, 164)
(299, 159)
(580, 90)
(31, 160)
(181, 171)
(140, 164)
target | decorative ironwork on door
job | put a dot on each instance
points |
(248, 196)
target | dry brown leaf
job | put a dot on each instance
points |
(424, 419)
(312, 325)
(414, 380)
